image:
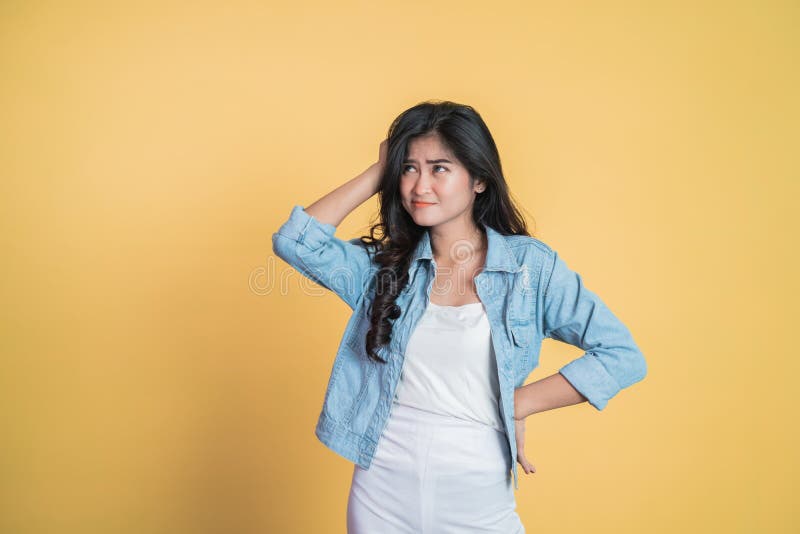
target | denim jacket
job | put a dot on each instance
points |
(529, 294)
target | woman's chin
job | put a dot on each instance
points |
(422, 220)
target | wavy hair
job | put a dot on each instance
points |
(464, 133)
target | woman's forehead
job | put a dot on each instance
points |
(430, 148)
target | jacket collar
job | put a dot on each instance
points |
(499, 256)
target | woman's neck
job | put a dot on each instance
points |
(458, 248)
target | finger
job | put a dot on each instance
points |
(527, 467)
(524, 463)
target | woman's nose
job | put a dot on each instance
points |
(423, 184)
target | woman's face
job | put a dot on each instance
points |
(435, 188)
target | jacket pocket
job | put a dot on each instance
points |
(348, 386)
(522, 337)
(522, 334)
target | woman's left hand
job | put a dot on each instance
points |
(519, 428)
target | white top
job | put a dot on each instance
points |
(450, 366)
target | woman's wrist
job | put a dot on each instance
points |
(372, 175)
(520, 404)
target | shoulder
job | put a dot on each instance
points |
(528, 243)
(528, 248)
(532, 254)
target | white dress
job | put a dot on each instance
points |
(442, 464)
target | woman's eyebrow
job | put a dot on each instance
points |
(428, 161)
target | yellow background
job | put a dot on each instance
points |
(157, 376)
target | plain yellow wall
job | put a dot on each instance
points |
(156, 377)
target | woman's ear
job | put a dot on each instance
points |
(480, 186)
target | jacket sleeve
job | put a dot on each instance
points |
(573, 314)
(310, 247)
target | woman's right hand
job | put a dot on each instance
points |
(382, 151)
(375, 170)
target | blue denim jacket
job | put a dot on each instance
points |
(529, 294)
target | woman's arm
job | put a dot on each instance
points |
(574, 314)
(336, 205)
(306, 240)
(550, 392)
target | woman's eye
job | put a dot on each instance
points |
(406, 167)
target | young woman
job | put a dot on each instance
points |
(451, 300)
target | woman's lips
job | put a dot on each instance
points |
(422, 204)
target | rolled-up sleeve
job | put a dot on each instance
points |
(573, 314)
(311, 247)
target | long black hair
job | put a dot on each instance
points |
(464, 133)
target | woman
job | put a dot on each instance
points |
(451, 300)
